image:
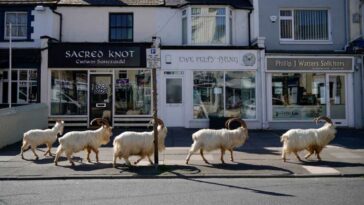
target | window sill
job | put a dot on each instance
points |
(17, 40)
(305, 42)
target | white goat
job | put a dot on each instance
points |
(223, 139)
(313, 140)
(76, 141)
(138, 143)
(36, 137)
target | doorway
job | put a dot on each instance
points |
(173, 99)
(101, 89)
(337, 98)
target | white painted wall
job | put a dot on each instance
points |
(17, 120)
(45, 23)
(93, 24)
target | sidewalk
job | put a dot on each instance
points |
(259, 157)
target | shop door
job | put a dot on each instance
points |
(337, 99)
(173, 101)
(101, 96)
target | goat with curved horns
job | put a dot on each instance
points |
(313, 140)
(223, 139)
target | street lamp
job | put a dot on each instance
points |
(10, 64)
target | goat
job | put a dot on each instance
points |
(223, 139)
(138, 143)
(313, 140)
(76, 141)
(36, 137)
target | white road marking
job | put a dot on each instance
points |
(321, 170)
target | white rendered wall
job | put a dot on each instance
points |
(93, 24)
(45, 23)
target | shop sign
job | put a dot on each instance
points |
(309, 64)
(202, 59)
(95, 55)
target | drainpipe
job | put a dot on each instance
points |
(249, 25)
(60, 24)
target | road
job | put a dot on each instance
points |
(200, 191)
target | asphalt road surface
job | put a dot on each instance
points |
(200, 191)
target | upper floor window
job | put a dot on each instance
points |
(206, 26)
(301, 25)
(18, 21)
(121, 27)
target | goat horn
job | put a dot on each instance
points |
(328, 120)
(227, 123)
(242, 122)
(97, 120)
(106, 122)
(160, 122)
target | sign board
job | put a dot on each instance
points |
(153, 58)
(210, 59)
(310, 64)
(96, 55)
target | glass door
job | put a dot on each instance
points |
(173, 103)
(101, 96)
(337, 99)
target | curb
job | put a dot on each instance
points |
(296, 176)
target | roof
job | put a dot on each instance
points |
(111, 2)
(238, 4)
(27, 2)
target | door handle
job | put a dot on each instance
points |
(100, 104)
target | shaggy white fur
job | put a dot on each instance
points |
(138, 143)
(76, 141)
(223, 139)
(36, 137)
(313, 140)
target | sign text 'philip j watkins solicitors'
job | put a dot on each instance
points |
(95, 56)
(310, 64)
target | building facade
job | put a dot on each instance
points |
(28, 24)
(275, 65)
(307, 71)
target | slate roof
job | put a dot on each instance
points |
(238, 4)
(112, 2)
(26, 2)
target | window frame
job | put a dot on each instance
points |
(6, 37)
(28, 81)
(121, 27)
(229, 33)
(310, 41)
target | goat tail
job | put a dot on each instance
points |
(194, 137)
(284, 138)
(116, 145)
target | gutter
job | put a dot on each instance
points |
(60, 23)
(249, 27)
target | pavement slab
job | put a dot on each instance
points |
(259, 157)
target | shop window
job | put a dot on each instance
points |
(19, 24)
(69, 92)
(302, 25)
(133, 92)
(224, 94)
(121, 27)
(298, 96)
(207, 26)
(24, 87)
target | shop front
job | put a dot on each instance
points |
(24, 77)
(300, 88)
(99, 80)
(198, 86)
